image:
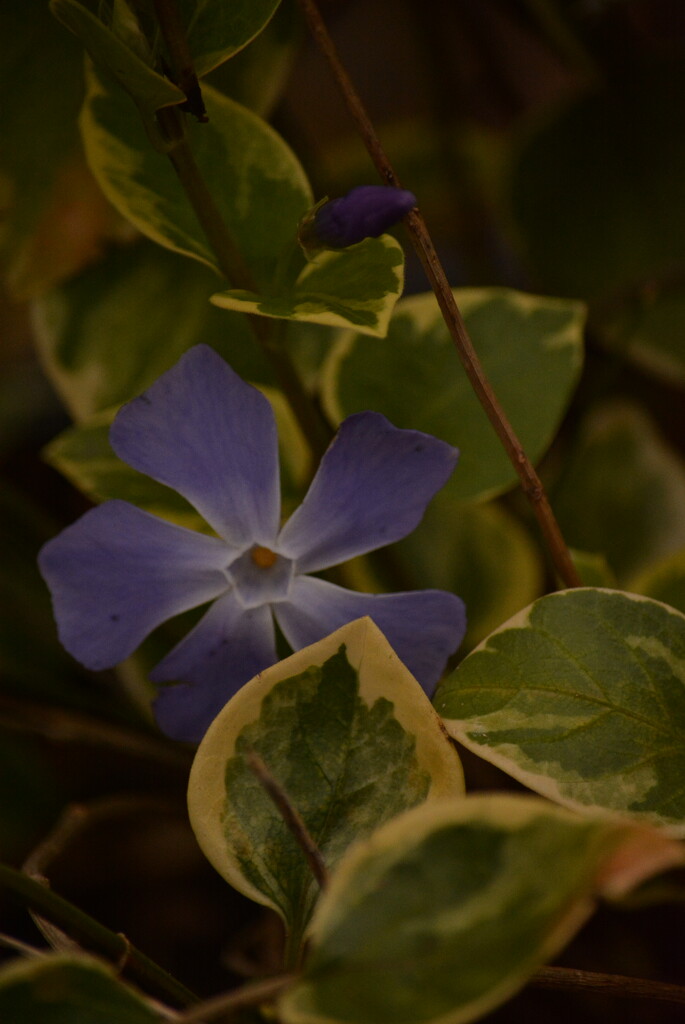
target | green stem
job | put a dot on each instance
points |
(229, 258)
(85, 929)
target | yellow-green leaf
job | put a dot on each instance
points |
(581, 697)
(622, 491)
(347, 731)
(147, 87)
(446, 911)
(59, 989)
(355, 287)
(256, 182)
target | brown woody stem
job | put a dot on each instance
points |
(252, 994)
(174, 34)
(530, 482)
(568, 978)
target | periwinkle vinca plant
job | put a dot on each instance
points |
(119, 572)
(259, 419)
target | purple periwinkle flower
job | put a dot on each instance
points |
(365, 212)
(119, 572)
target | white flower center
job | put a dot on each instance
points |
(261, 576)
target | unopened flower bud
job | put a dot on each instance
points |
(365, 212)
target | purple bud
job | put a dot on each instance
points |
(365, 212)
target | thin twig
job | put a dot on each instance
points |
(568, 978)
(22, 948)
(36, 866)
(72, 823)
(62, 725)
(559, 978)
(530, 482)
(252, 994)
(78, 818)
(88, 931)
(185, 77)
(291, 816)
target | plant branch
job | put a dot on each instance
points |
(36, 865)
(416, 226)
(87, 930)
(229, 258)
(62, 725)
(74, 821)
(22, 948)
(568, 978)
(174, 34)
(291, 816)
(252, 994)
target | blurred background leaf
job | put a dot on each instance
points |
(531, 350)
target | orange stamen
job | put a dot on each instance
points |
(263, 557)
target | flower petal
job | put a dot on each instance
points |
(203, 431)
(228, 646)
(118, 572)
(423, 626)
(371, 488)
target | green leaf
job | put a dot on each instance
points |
(664, 581)
(529, 346)
(479, 552)
(356, 287)
(256, 182)
(276, 48)
(598, 190)
(648, 328)
(622, 491)
(445, 912)
(348, 732)
(216, 29)
(582, 698)
(99, 334)
(149, 89)
(593, 569)
(60, 989)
